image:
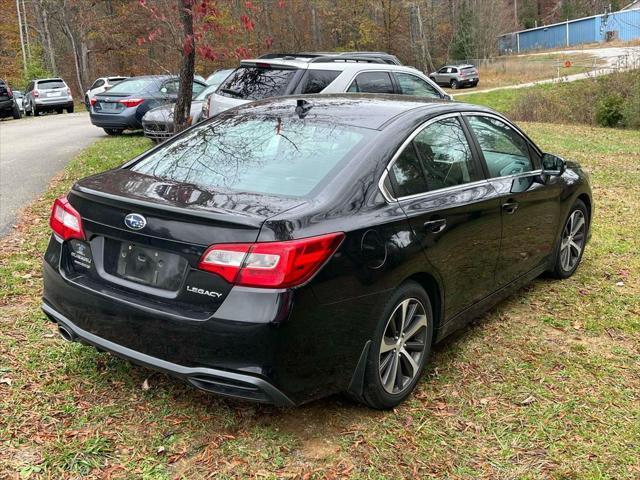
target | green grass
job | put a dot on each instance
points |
(546, 385)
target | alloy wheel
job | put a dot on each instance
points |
(403, 346)
(573, 238)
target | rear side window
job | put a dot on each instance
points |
(315, 81)
(50, 84)
(407, 175)
(268, 155)
(253, 83)
(412, 85)
(372, 82)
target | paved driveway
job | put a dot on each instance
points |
(32, 151)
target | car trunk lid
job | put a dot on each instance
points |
(145, 237)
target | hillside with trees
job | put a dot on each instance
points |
(83, 39)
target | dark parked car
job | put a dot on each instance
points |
(123, 106)
(295, 247)
(8, 105)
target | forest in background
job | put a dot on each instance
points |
(84, 39)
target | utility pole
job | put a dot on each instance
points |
(24, 53)
(515, 12)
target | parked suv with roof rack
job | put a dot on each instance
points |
(456, 76)
(310, 73)
(8, 105)
(46, 95)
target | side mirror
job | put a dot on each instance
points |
(553, 165)
(448, 97)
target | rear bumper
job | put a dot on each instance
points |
(272, 346)
(43, 105)
(221, 382)
(124, 120)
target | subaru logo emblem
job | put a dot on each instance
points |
(135, 221)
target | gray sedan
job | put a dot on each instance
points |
(157, 123)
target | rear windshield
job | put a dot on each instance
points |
(268, 155)
(253, 83)
(49, 84)
(136, 85)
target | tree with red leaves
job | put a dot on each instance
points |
(206, 28)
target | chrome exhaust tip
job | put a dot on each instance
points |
(66, 333)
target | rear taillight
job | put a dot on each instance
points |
(92, 101)
(69, 91)
(131, 102)
(271, 264)
(65, 221)
(9, 91)
(36, 93)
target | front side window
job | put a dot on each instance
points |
(266, 154)
(445, 154)
(254, 83)
(315, 81)
(505, 151)
(372, 82)
(412, 85)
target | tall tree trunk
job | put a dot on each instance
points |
(24, 54)
(419, 40)
(42, 16)
(181, 116)
(314, 25)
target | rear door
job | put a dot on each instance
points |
(530, 209)
(454, 212)
(413, 85)
(372, 82)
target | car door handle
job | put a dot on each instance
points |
(435, 226)
(510, 207)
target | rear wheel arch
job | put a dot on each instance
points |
(434, 291)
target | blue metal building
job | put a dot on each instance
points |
(623, 25)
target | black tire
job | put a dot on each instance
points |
(70, 109)
(113, 131)
(376, 393)
(565, 266)
(28, 111)
(454, 84)
(16, 112)
(87, 105)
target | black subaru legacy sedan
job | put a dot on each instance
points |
(296, 247)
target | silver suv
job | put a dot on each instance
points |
(300, 74)
(46, 95)
(456, 76)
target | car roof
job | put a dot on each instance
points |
(339, 63)
(360, 110)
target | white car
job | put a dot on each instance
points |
(101, 84)
(294, 75)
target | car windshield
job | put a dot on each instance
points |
(267, 155)
(135, 85)
(253, 83)
(217, 78)
(206, 92)
(50, 84)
